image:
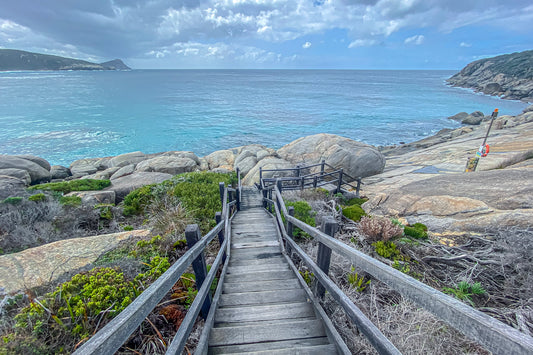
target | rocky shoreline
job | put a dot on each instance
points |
(423, 181)
(507, 76)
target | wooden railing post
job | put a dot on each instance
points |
(339, 183)
(261, 177)
(270, 207)
(290, 227)
(297, 170)
(265, 195)
(322, 166)
(358, 188)
(221, 190)
(238, 199)
(218, 219)
(192, 234)
(329, 226)
(302, 182)
(315, 182)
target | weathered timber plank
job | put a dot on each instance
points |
(263, 276)
(304, 350)
(238, 287)
(262, 322)
(253, 313)
(284, 344)
(246, 245)
(255, 253)
(272, 332)
(244, 269)
(276, 259)
(264, 297)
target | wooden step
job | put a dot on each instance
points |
(261, 298)
(248, 269)
(254, 313)
(259, 286)
(266, 346)
(277, 259)
(263, 333)
(260, 276)
(304, 350)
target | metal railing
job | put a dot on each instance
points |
(487, 331)
(111, 337)
(309, 176)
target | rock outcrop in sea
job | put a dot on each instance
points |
(509, 76)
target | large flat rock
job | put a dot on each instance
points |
(40, 265)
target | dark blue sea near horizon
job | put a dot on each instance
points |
(64, 116)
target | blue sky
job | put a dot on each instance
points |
(318, 34)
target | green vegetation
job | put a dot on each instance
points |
(464, 291)
(353, 212)
(128, 228)
(106, 210)
(303, 212)
(76, 307)
(386, 249)
(13, 200)
(197, 191)
(357, 281)
(308, 277)
(356, 201)
(73, 185)
(73, 201)
(417, 231)
(37, 197)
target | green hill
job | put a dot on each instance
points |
(509, 76)
(12, 59)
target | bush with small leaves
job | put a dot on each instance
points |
(354, 212)
(417, 230)
(386, 249)
(13, 200)
(379, 228)
(72, 201)
(303, 212)
(73, 185)
(37, 197)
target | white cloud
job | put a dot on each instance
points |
(416, 40)
(464, 44)
(306, 45)
(363, 43)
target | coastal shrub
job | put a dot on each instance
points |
(137, 200)
(73, 185)
(128, 228)
(105, 210)
(75, 309)
(379, 228)
(37, 197)
(356, 201)
(357, 281)
(353, 212)
(198, 193)
(13, 200)
(386, 249)
(303, 212)
(464, 291)
(417, 231)
(72, 201)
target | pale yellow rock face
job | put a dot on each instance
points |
(37, 266)
(425, 181)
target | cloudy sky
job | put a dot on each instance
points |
(352, 34)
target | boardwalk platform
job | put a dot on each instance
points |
(264, 308)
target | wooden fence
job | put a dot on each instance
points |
(309, 176)
(487, 331)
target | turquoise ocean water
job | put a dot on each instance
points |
(64, 116)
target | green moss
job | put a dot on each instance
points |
(354, 212)
(106, 210)
(386, 249)
(356, 201)
(13, 200)
(37, 197)
(127, 228)
(73, 201)
(73, 185)
(417, 231)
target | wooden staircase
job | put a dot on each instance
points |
(263, 308)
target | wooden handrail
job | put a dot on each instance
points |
(488, 331)
(113, 335)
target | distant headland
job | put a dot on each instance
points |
(509, 76)
(12, 59)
